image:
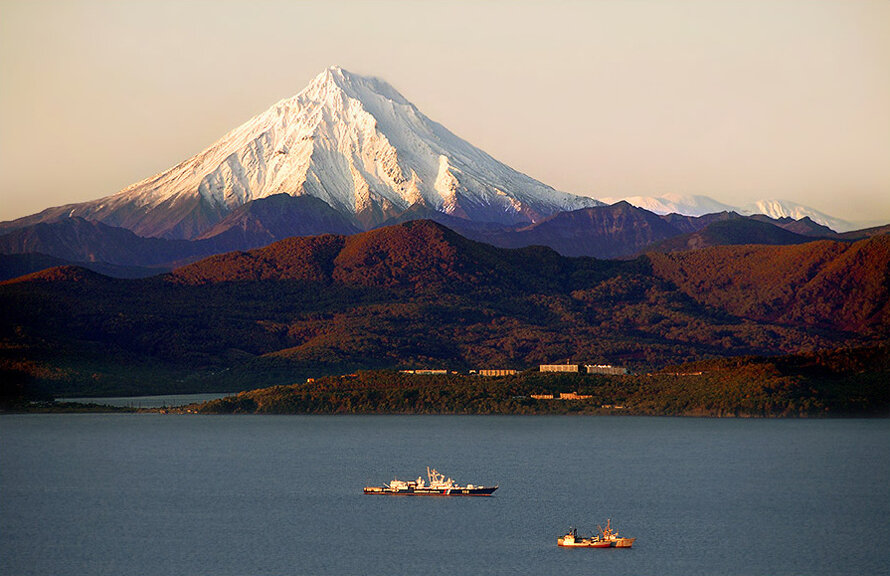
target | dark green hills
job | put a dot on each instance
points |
(418, 295)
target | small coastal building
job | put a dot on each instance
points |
(559, 368)
(562, 396)
(425, 372)
(604, 369)
(496, 372)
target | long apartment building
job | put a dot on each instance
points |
(588, 368)
(559, 368)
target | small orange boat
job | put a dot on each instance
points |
(611, 536)
(572, 540)
(607, 538)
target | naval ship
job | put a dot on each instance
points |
(436, 485)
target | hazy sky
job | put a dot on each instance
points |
(737, 100)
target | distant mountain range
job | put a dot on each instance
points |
(698, 205)
(420, 295)
(96, 245)
(617, 231)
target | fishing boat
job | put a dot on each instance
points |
(572, 540)
(607, 538)
(607, 534)
(435, 485)
(600, 542)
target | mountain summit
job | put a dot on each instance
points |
(349, 140)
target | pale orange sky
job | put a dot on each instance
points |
(737, 100)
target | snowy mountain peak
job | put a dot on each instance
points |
(335, 84)
(354, 142)
(698, 205)
(688, 204)
(358, 86)
(787, 209)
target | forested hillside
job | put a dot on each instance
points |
(420, 295)
(835, 383)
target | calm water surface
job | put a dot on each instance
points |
(217, 495)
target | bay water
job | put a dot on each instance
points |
(146, 494)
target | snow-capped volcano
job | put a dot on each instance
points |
(352, 141)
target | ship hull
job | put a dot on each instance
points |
(576, 544)
(411, 491)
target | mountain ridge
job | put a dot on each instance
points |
(734, 232)
(616, 231)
